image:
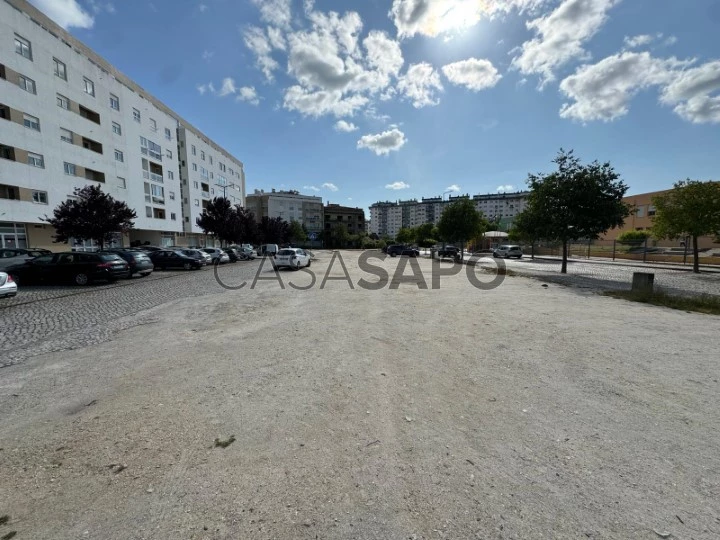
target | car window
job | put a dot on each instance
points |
(109, 257)
(67, 258)
(7, 253)
(44, 259)
(286, 252)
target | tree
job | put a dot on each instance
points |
(246, 226)
(460, 222)
(219, 218)
(91, 215)
(425, 235)
(405, 235)
(274, 230)
(691, 208)
(633, 237)
(339, 236)
(296, 232)
(575, 201)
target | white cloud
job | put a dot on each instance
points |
(203, 88)
(383, 143)
(671, 40)
(397, 185)
(476, 74)
(276, 38)
(207, 55)
(259, 43)
(454, 188)
(98, 7)
(228, 87)
(432, 18)
(603, 91)
(695, 93)
(384, 56)
(419, 85)
(276, 12)
(248, 94)
(66, 13)
(560, 36)
(311, 188)
(505, 188)
(639, 41)
(203, 8)
(345, 127)
(330, 186)
(322, 102)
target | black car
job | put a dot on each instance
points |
(174, 259)
(448, 251)
(192, 252)
(138, 260)
(410, 252)
(233, 253)
(76, 267)
(396, 249)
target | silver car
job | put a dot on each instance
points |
(218, 255)
(8, 288)
(508, 251)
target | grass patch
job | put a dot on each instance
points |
(702, 304)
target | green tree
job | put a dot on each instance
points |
(575, 201)
(691, 208)
(91, 215)
(633, 237)
(460, 222)
(339, 236)
(273, 230)
(405, 235)
(296, 232)
(219, 218)
(424, 235)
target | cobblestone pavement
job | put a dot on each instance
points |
(616, 276)
(46, 319)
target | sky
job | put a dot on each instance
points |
(361, 101)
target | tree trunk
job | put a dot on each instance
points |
(696, 261)
(563, 269)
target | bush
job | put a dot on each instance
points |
(633, 237)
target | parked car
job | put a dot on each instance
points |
(396, 249)
(201, 256)
(293, 258)
(81, 268)
(174, 259)
(410, 252)
(269, 249)
(150, 248)
(448, 251)
(138, 260)
(217, 255)
(8, 287)
(10, 256)
(508, 251)
(249, 253)
(233, 253)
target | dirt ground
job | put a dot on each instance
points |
(521, 412)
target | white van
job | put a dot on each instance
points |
(268, 249)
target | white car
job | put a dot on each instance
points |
(507, 252)
(293, 258)
(8, 287)
(217, 255)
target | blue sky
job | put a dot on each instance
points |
(367, 100)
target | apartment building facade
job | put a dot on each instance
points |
(352, 218)
(387, 218)
(69, 119)
(289, 206)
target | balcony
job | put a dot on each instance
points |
(89, 115)
(89, 144)
(206, 194)
(156, 177)
(95, 176)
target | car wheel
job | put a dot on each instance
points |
(495, 255)
(81, 279)
(187, 266)
(309, 263)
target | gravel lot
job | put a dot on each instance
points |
(519, 412)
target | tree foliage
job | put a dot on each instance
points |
(338, 236)
(460, 222)
(296, 232)
(633, 237)
(219, 218)
(91, 215)
(405, 235)
(273, 231)
(691, 208)
(575, 201)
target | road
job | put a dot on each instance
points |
(191, 411)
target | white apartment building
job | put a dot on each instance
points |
(68, 119)
(206, 171)
(289, 206)
(387, 218)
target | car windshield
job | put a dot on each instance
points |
(286, 252)
(109, 257)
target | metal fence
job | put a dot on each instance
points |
(649, 251)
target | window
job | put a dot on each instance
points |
(40, 197)
(121, 183)
(31, 122)
(60, 69)
(69, 169)
(153, 125)
(150, 148)
(171, 194)
(212, 191)
(194, 166)
(210, 160)
(114, 102)
(26, 84)
(89, 86)
(119, 156)
(172, 216)
(197, 202)
(136, 115)
(63, 102)
(66, 135)
(36, 160)
(651, 210)
(148, 211)
(23, 47)
(196, 185)
(640, 211)
(194, 151)
(202, 155)
(117, 130)
(168, 153)
(168, 134)
(171, 176)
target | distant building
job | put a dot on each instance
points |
(352, 218)
(387, 217)
(289, 206)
